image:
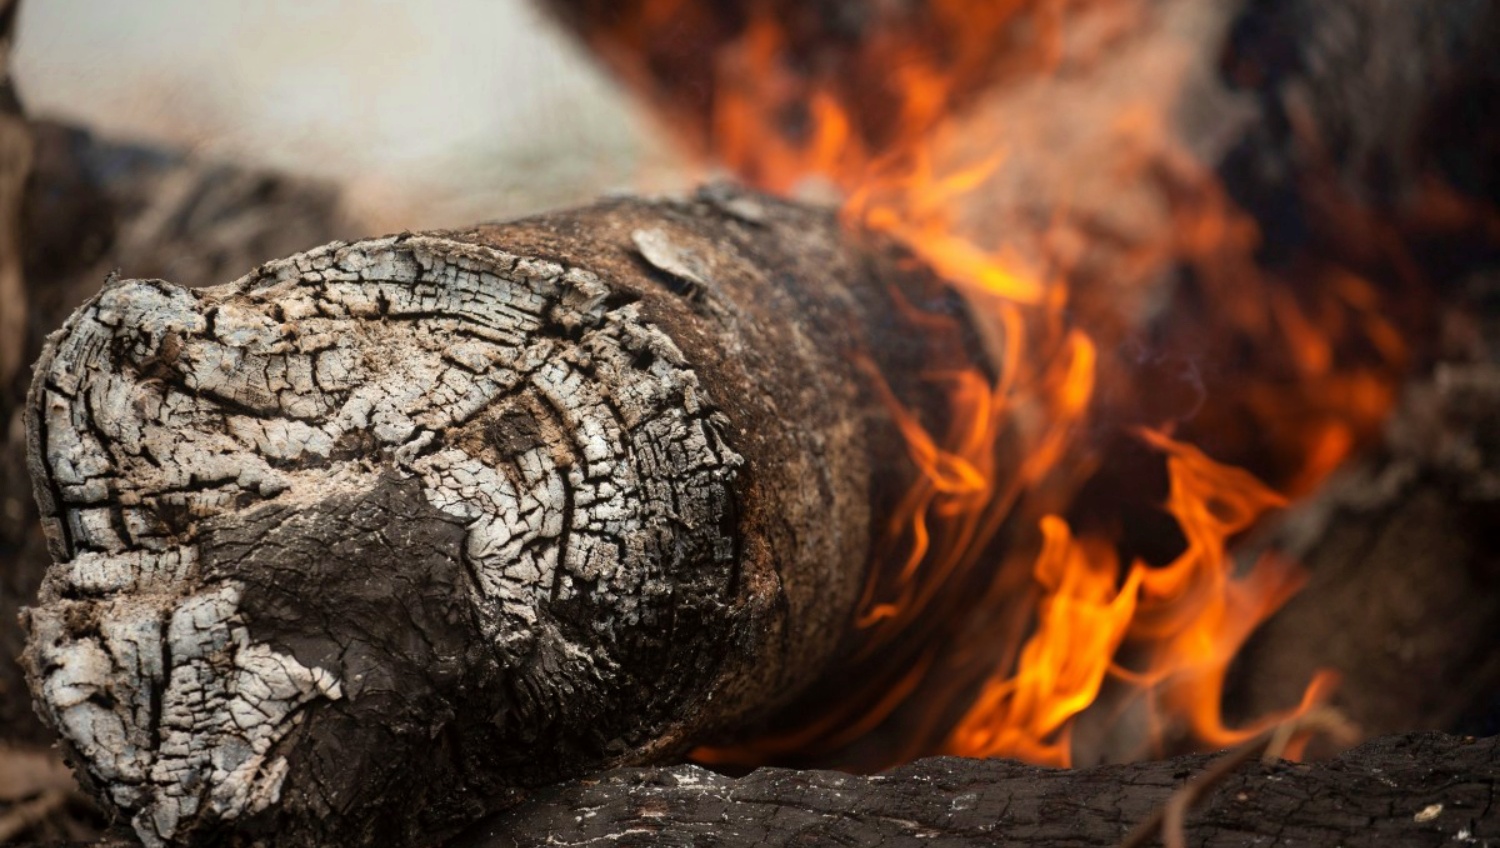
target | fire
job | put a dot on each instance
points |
(1048, 615)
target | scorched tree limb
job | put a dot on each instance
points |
(357, 546)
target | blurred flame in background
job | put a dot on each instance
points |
(998, 622)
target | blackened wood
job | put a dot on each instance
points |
(1423, 789)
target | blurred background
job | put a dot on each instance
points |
(431, 114)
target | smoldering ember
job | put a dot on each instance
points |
(1060, 422)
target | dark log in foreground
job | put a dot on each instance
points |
(409, 524)
(1424, 789)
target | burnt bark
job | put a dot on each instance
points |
(414, 523)
(1422, 789)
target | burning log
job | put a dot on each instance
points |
(1250, 209)
(377, 538)
(415, 522)
(316, 643)
(1403, 554)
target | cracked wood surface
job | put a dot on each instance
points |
(416, 522)
(1418, 790)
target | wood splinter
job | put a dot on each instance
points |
(358, 547)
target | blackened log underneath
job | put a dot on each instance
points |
(1421, 789)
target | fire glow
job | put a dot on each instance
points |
(1063, 617)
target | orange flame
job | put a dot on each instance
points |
(877, 121)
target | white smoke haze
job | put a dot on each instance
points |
(433, 113)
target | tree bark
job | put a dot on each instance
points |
(1422, 789)
(415, 522)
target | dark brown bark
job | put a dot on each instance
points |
(17, 515)
(1425, 789)
(15, 165)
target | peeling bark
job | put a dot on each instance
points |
(415, 522)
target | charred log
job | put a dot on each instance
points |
(1341, 140)
(416, 522)
(1425, 789)
(346, 553)
(1404, 598)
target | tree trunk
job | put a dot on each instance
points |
(418, 521)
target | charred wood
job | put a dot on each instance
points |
(1422, 789)
(357, 548)
(1404, 597)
